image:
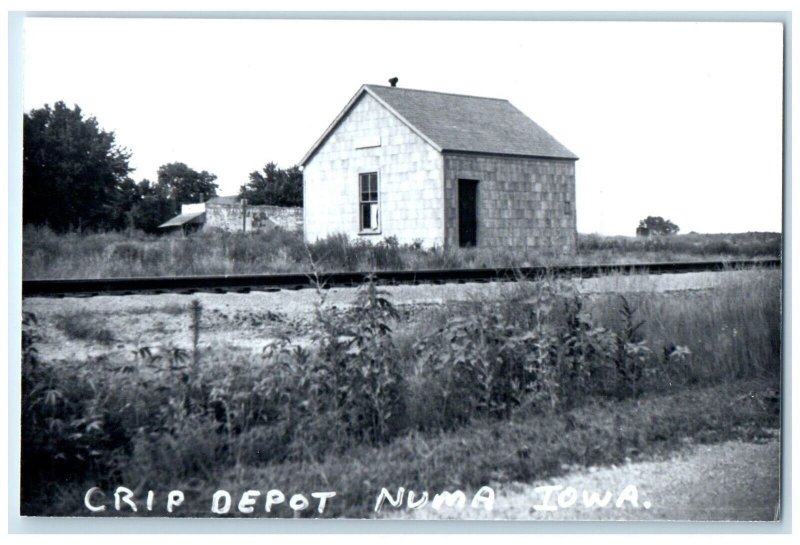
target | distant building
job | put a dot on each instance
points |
(449, 170)
(233, 214)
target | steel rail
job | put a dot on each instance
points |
(273, 282)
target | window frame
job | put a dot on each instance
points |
(376, 230)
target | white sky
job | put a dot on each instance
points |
(681, 120)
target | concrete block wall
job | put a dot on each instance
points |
(372, 139)
(286, 217)
(257, 218)
(522, 202)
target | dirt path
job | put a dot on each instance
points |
(727, 481)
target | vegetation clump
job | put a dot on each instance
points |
(376, 384)
(75, 254)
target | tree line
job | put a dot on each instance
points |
(76, 177)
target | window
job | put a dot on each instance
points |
(568, 208)
(368, 202)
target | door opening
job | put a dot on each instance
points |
(467, 213)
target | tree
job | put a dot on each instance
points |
(182, 185)
(152, 208)
(276, 186)
(74, 174)
(177, 184)
(656, 225)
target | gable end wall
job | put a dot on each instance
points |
(409, 177)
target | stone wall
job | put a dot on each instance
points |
(258, 218)
(521, 202)
(372, 139)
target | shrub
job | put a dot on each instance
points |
(528, 446)
(386, 255)
(67, 431)
(370, 380)
(82, 325)
(536, 346)
(128, 251)
(214, 251)
(632, 352)
(352, 378)
(336, 252)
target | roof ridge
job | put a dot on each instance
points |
(435, 92)
(470, 125)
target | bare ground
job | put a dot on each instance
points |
(723, 482)
(246, 322)
(729, 481)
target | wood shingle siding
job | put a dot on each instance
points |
(421, 144)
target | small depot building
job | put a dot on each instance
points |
(234, 214)
(442, 169)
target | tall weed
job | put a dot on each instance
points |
(374, 377)
(212, 251)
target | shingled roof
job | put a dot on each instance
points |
(231, 199)
(462, 123)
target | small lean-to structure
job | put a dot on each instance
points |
(234, 214)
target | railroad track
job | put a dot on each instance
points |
(274, 282)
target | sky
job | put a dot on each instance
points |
(680, 120)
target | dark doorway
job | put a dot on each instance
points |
(467, 213)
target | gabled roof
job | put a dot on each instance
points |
(183, 219)
(464, 123)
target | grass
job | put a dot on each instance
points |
(107, 255)
(530, 446)
(682, 247)
(171, 310)
(457, 396)
(734, 329)
(527, 447)
(84, 326)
